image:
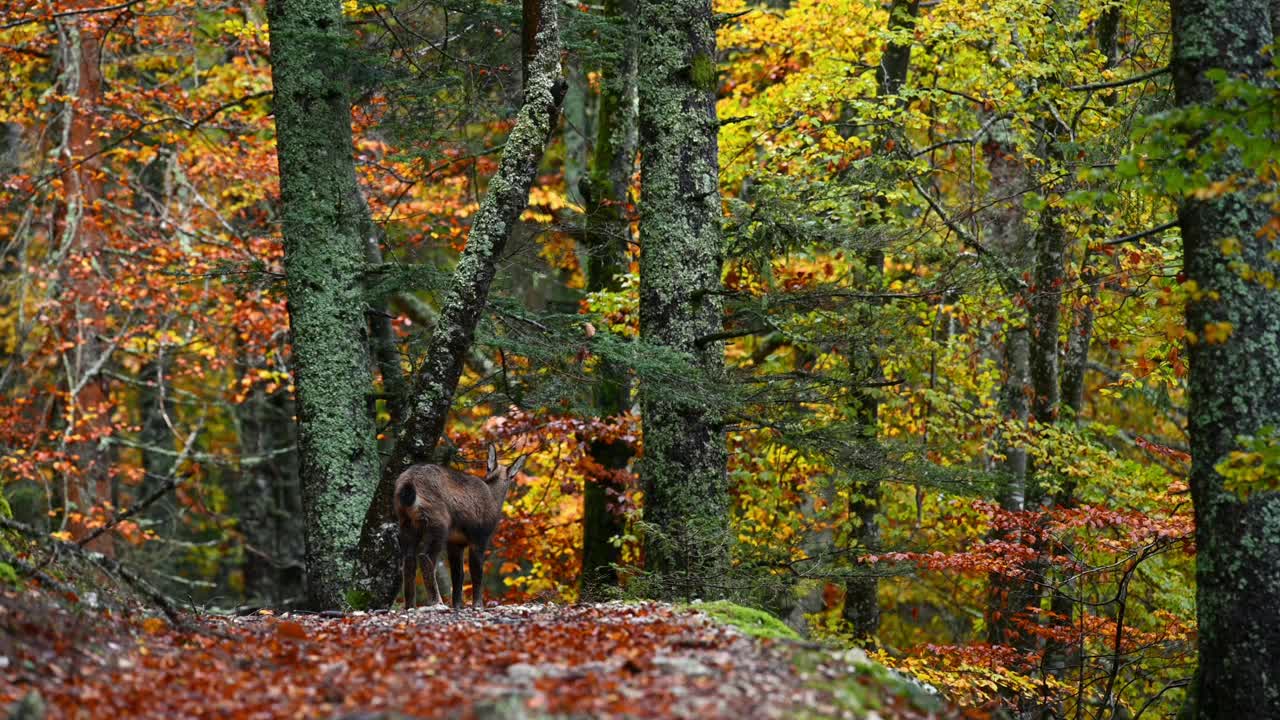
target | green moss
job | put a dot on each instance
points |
(8, 575)
(860, 687)
(703, 72)
(358, 599)
(753, 622)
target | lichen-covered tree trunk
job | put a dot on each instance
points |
(1234, 385)
(685, 481)
(324, 263)
(432, 389)
(606, 236)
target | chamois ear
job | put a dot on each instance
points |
(493, 458)
(516, 466)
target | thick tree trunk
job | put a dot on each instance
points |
(606, 237)
(324, 262)
(432, 392)
(1234, 385)
(684, 467)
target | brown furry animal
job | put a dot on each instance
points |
(448, 508)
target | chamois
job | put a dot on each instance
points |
(449, 509)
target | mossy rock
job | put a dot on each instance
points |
(753, 622)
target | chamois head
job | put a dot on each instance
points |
(499, 476)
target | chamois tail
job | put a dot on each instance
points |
(408, 495)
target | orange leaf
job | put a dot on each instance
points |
(292, 630)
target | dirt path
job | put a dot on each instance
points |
(606, 660)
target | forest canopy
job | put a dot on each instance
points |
(940, 328)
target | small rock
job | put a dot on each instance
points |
(681, 665)
(523, 672)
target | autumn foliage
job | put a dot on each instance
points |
(144, 343)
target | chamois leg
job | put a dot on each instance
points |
(455, 573)
(409, 541)
(429, 560)
(476, 555)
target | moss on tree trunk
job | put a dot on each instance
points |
(324, 261)
(1234, 385)
(686, 496)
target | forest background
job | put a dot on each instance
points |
(945, 270)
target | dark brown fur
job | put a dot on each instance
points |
(439, 508)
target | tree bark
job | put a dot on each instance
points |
(1008, 597)
(324, 259)
(1234, 385)
(384, 344)
(433, 387)
(686, 503)
(268, 499)
(606, 235)
(1044, 308)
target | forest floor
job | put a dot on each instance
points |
(516, 661)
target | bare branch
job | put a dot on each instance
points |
(1120, 83)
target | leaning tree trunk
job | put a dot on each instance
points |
(324, 261)
(433, 387)
(685, 481)
(1234, 385)
(606, 235)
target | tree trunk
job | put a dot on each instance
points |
(1008, 597)
(79, 234)
(324, 262)
(861, 591)
(684, 467)
(606, 237)
(1044, 309)
(1234, 385)
(268, 499)
(155, 398)
(384, 344)
(1080, 339)
(433, 387)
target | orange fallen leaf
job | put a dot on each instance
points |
(290, 629)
